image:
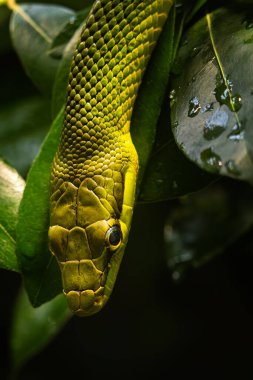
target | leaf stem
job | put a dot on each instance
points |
(209, 24)
(13, 6)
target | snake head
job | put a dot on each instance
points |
(89, 241)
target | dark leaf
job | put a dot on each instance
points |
(206, 223)
(23, 126)
(212, 104)
(33, 28)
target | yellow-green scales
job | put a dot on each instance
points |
(95, 168)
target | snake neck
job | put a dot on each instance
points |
(107, 68)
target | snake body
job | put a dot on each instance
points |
(95, 168)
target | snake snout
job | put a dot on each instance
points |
(82, 283)
(86, 302)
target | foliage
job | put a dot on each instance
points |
(191, 127)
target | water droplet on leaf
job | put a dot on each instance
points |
(195, 51)
(174, 125)
(207, 107)
(224, 95)
(172, 97)
(194, 107)
(237, 133)
(212, 161)
(236, 102)
(232, 168)
(215, 125)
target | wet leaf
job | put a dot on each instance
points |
(39, 269)
(33, 28)
(212, 107)
(23, 126)
(11, 191)
(32, 329)
(169, 173)
(206, 223)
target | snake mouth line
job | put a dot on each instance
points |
(86, 302)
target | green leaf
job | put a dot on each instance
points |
(32, 329)
(11, 190)
(212, 107)
(206, 223)
(23, 126)
(33, 28)
(39, 268)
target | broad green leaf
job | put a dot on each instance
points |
(11, 190)
(33, 28)
(23, 126)
(32, 329)
(39, 268)
(206, 223)
(212, 101)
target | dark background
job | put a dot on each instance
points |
(152, 328)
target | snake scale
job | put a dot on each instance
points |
(94, 171)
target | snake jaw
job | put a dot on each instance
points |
(88, 302)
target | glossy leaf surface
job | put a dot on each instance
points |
(212, 95)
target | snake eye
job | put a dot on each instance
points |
(113, 237)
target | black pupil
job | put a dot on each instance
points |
(115, 235)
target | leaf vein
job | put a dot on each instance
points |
(16, 8)
(7, 233)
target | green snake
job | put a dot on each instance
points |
(95, 169)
